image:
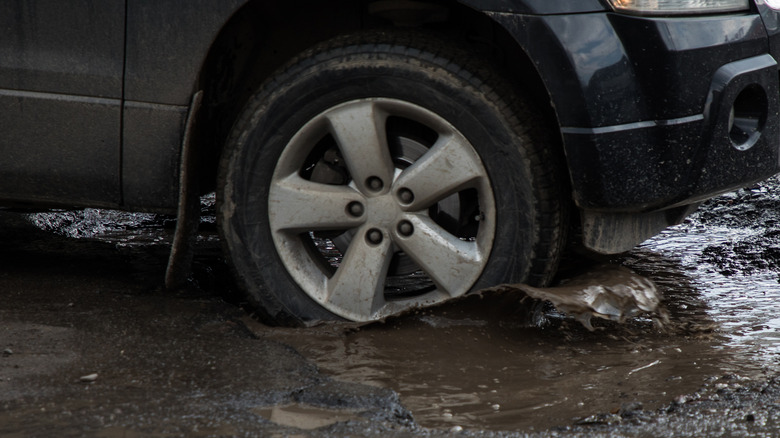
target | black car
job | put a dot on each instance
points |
(373, 156)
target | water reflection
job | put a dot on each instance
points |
(742, 302)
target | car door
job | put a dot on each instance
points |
(61, 68)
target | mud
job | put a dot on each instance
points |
(469, 365)
(81, 295)
(608, 291)
(92, 346)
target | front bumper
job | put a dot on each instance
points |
(647, 105)
(663, 163)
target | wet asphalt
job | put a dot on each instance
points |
(92, 345)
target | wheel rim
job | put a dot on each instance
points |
(377, 196)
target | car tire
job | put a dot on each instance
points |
(386, 171)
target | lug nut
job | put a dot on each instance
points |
(375, 183)
(405, 228)
(374, 236)
(406, 196)
(355, 209)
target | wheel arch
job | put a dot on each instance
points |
(262, 36)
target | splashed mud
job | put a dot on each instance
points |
(305, 417)
(608, 291)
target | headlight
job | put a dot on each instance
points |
(677, 7)
(774, 4)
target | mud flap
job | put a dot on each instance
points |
(188, 215)
(613, 233)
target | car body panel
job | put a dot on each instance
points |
(632, 97)
(536, 7)
(167, 43)
(152, 136)
(60, 101)
(70, 47)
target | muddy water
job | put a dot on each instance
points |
(481, 363)
(499, 362)
(467, 365)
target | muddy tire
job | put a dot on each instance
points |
(381, 172)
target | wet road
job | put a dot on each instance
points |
(81, 296)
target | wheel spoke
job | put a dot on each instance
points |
(387, 204)
(448, 167)
(297, 205)
(359, 129)
(450, 262)
(357, 287)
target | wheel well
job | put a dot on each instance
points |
(263, 36)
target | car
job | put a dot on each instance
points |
(372, 157)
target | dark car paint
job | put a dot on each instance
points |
(96, 95)
(537, 7)
(631, 98)
(60, 95)
(79, 134)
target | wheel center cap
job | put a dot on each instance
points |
(383, 211)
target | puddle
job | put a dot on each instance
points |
(476, 364)
(743, 305)
(303, 416)
(498, 362)
(91, 223)
(462, 367)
